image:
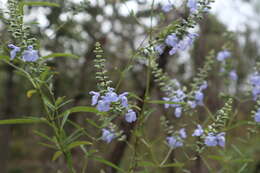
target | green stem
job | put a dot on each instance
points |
(69, 161)
(166, 157)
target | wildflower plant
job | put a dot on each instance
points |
(110, 104)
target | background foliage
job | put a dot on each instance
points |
(121, 27)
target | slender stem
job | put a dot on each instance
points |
(166, 157)
(211, 116)
(69, 161)
(85, 164)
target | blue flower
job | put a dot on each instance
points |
(124, 101)
(187, 41)
(180, 94)
(255, 82)
(167, 8)
(199, 96)
(173, 50)
(255, 79)
(257, 116)
(221, 139)
(198, 132)
(256, 92)
(179, 97)
(183, 45)
(213, 140)
(178, 112)
(110, 96)
(166, 105)
(233, 75)
(223, 55)
(206, 9)
(222, 70)
(182, 133)
(172, 40)
(192, 104)
(130, 116)
(173, 142)
(103, 106)
(192, 4)
(203, 86)
(176, 44)
(160, 48)
(14, 51)
(192, 36)
(107, 135)
(30, 55)
(94, 97)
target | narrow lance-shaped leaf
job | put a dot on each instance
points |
(56, 155)
(22, 121)
(40, 3)
(78, 143)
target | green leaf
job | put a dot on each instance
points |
(75, 135)
(48, 103)
(64, 120)
(78, 143)
(43, 136)
(22, 121)
(237, 150)
(215, 157)
(56, 155)
(241, 123)
(47, 145)
(242, 168)
(82, 109)
(93, 123)
(146, 164)
(30, 93)
(49, 4)
(59, 101)
(177, 164)
(58, 55)
(101, 160)
(243, 160)
(163, 102)
(4, 57)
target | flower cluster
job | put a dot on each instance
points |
(233, 75)
(29, 55)
(107, 135)
(167, 8)
(255, 82)
(199, 131)
(14, 51)
(198, 96)
(213, 140)
(178, 97)
(104, 103)
(177, 140)
(257, 116)
(175, 43)
(192, 5)
(222, 56)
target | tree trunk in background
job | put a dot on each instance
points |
(6, 113)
